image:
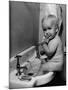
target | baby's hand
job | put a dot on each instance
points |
(44, 40)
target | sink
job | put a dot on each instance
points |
(15, 82)
(38, 80)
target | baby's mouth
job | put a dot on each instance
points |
(47, 36)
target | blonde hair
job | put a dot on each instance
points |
(51, 10)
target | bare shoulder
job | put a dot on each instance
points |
(59, 42)
(55, 42)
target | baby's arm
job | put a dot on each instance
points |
(56, 64)
(51, 48)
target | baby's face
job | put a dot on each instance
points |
(49, 27)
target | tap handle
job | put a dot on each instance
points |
(18, 56)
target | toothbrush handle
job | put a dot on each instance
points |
(37, 50)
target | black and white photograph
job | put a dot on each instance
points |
(37, 44)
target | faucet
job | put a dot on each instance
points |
(18, 65)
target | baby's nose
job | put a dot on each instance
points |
(47, 31)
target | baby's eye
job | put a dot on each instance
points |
(44, 29)
(49, 28)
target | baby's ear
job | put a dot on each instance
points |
(57, 30)
(60, 22)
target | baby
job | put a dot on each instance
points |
(51, 42)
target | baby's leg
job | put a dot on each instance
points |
(40, 72)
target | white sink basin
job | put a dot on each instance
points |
(38, 80)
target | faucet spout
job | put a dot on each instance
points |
(18, 65)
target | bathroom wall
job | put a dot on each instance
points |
(24, 25)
